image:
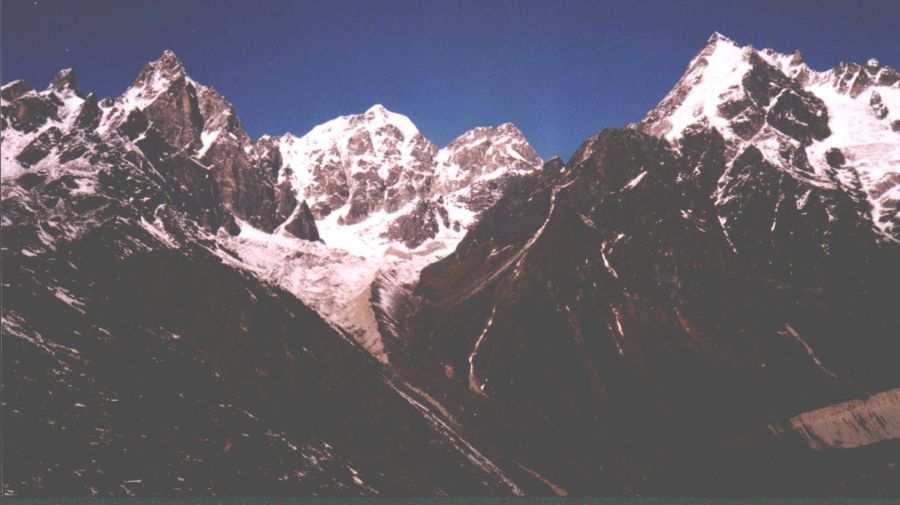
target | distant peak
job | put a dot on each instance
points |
(717, 37)
(169, 59)
(65, 81)
(158, 74)
(509, 128)
(167, 65)
(378, 115)
(718, 44)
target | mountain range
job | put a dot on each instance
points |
(699, 303)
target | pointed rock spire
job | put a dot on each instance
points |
(170, 62)
(717, 37)
(158, 73)
(65, 81)
(511, 130)
(90, 113)
(302, 223)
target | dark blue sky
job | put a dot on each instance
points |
(560, 70)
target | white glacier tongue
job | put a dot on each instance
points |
(776, 103)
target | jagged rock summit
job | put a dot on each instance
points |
(65, 82)
(801, 120)
(186, 132)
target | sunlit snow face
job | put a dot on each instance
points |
(380, 158)
(859, 119)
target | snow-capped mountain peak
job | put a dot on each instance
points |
(380, 115)
(65, 82)
(154, 79)
(799, 119)
(484, 153)
(718, 67)
(167, 67)
(359, 164)
(355, 166)
(377, 122)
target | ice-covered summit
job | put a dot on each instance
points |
(834, 128)
(377, 166)
(484, 153)
(358, 164)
